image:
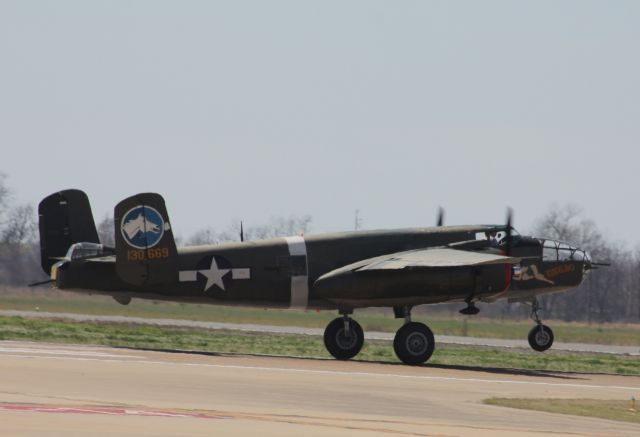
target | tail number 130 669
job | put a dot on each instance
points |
(141, 255)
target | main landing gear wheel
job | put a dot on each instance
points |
(343, 338)
(540, 338)
(414, 343)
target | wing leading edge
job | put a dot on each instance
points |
(437, 257)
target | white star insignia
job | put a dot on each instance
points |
(214, 275)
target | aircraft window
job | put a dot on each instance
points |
(550, 250)
(577, 255)
(558, 251)
(565, 252)
(549, 253)
(84, 250)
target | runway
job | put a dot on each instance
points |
(48, 389)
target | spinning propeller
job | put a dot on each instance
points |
(440, 220)
(507, 237)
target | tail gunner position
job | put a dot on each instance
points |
(339, 271)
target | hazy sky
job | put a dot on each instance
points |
(250, 109)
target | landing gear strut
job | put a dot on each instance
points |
(414, 342)
(343, 338)
(541, 336)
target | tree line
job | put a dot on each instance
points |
(609, 294)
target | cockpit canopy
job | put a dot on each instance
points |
(553, 250)
(86, 250)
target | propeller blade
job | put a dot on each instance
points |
(440, 220)
(241, 231)
(508, 231)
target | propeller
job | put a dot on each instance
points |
(508, 231)
(440, 220)
(241, 231)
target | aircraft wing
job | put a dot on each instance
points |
(431, 275)
(436, 257)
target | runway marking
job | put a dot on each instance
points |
(339, 372)
(51, 351)
(112, 411)
(343, 424)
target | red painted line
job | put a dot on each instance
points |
(104, 410)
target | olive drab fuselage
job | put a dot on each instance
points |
(268, 274)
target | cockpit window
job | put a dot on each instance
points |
(558, 251)
(84, 250)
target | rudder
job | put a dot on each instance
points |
(64, 218)
(146, 252)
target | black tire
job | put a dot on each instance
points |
(540, 338)
(414, 343)
(341, 346)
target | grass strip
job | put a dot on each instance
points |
(215, 341)
(619, 410)
(371, 320)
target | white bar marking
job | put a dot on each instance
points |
(187, 275)
(299, 284)
(241, 273)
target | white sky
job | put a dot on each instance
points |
(250, 109)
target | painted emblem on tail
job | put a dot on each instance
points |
(142, 227)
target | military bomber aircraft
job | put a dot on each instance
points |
(338, 271)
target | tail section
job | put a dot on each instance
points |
(65, 218)
(146, 251)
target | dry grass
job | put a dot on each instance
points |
(619, 410)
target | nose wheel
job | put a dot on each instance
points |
(541, 336)
(343, 338)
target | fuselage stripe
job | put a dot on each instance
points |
(299, 284)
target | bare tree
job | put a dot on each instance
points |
(276, 227)
(106, 231)
(18, 253)
(605, 292)
(203, 236)
(20, 226)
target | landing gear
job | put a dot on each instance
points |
(343, 338)
(541, 336)
(414, 342)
